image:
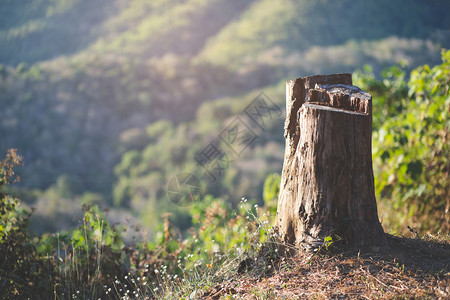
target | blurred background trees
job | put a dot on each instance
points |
(108, 100)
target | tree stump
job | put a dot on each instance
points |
(327, 185)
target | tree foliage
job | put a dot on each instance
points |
(411, 148)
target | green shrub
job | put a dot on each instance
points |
(271, 190)
(21, 273)
(410, 146)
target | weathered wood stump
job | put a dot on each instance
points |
(327, 184)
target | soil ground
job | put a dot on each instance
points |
(410, 268)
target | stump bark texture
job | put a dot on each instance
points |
(327, 185)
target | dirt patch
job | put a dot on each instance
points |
(410, 268)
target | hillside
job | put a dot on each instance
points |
(33, 31)
(296, 26)
(108, 100)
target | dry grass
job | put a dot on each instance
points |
(409, 268)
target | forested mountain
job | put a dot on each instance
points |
(107, 100)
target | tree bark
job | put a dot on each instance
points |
(327, 185)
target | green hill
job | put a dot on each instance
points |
(33, 31)
(41, 30)
(300, 25)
